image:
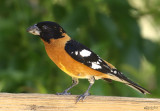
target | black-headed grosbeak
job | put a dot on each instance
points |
(75, 59)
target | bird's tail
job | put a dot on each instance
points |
(137, 87)
(121, 78)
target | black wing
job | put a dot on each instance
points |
(85, 56)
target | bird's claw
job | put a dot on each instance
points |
(82, 97)
(64, 93)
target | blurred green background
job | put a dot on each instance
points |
(126, 33)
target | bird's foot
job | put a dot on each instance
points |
(82, 97)
(64, 93)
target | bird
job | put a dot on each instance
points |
(77, 60)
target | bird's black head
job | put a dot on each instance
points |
(47, 30)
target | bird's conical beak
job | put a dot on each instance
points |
(34, 30)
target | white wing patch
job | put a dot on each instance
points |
(95, 66)
(76, 52)
(85, 53)
(115, 72)
(99, 60)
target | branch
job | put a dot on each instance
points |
(49, 102)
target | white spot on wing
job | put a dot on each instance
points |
(95, 66)
(85, 53)
(115, 72)
(99, 60)
(76, 52)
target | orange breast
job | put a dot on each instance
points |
(56, 51)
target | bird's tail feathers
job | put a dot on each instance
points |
(121, 78)
(138, 88)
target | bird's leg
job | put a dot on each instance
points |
(83, 96)
(74, 83)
